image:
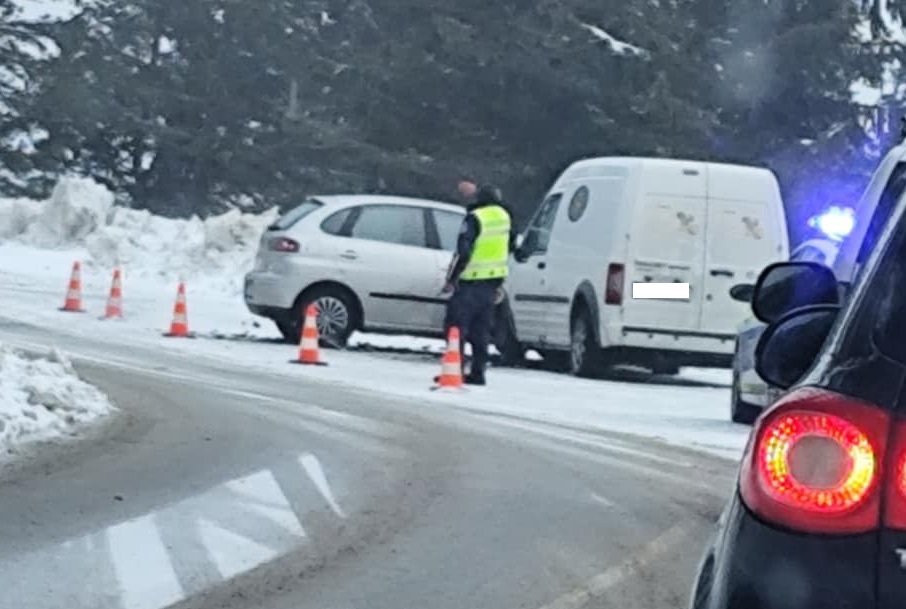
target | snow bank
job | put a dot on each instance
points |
(81, 215)
(42, 398)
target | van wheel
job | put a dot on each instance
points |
(337, 315)
(512, 352)
(740, 411)
(583, 352)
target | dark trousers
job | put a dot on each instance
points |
(471, 309)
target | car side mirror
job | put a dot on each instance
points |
(785, 286)
(742, 292)
(788, 347)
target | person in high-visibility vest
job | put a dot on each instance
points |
(477, 272)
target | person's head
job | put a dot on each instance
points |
(489, 195)
(467, 189)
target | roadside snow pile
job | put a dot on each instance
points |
(42, 398)
(81, 215)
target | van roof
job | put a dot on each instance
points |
(348, 200)
(725, 180)
(629, 162)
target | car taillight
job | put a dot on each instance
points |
(895, 504)
(813, 463)
(613, 294)
(285, 245)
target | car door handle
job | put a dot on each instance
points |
(542, 265)
(349, 255)
(721, 273)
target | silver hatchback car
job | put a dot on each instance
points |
(369, 262)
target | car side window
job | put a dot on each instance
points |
(448, 225)
(335, 224)
(397, 224)
(292, 217)
(538, 235)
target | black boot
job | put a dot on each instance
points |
(475, 379)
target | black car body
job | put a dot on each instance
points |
(818, 519)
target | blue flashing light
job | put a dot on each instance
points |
(836, 223)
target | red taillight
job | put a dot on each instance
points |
(813, 463)
(285, 245)
(895, 504)
(613, 294)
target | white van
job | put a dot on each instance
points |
(609, 222)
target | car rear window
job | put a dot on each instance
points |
(289, 219)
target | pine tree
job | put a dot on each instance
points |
(22, 48)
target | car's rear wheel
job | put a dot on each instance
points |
(338, 315)
(740, 411)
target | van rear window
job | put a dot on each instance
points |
(289, 219)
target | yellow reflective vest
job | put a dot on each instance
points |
(491, 251)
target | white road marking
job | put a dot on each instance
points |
(316, 473)
(603, 582)
(602, 500)
(142, 565)
(265, 497)
(232, 553)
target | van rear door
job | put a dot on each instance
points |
(746, 231)
(666, 244)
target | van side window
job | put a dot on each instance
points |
(889, 197)
(538, 235)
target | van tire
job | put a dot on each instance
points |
(584, 354)
(512, 352)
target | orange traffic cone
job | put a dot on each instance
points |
(451, 366)
(179, 328)
(115, 300)
(73, 302)
(309, 351)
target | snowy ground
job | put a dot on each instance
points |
(42, 398)
(40, 241)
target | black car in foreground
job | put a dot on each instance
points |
(818, 519)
